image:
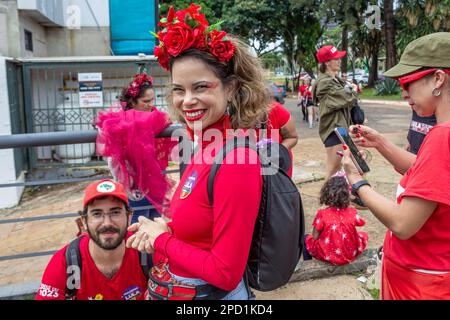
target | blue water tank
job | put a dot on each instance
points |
(131, 22)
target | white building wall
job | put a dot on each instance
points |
(39, 37)
(4, 48)
(9, 197)
(51, 9)
(100, 9)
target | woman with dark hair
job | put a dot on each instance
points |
(137, 167)
(334, 238)
(139, 94)
(217, 87)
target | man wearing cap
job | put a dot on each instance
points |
(109, 271)
(335, 99)
(416, 250)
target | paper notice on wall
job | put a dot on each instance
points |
(90, 89)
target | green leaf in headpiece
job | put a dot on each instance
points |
(215, 27)
(154, 34)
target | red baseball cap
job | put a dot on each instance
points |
(327, 53)
(104, 188)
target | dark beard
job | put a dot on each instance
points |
(108, 245)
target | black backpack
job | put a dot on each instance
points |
(278, 236)
(73, 262)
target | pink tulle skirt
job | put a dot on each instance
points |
(138, 157)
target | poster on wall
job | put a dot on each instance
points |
(90, 89)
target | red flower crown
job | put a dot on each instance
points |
(135, 86)
(187, 29)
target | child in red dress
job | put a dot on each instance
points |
(334, 238)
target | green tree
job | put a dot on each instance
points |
(347, 14)
(366, 44)
(292, 25)
(253, 21)
(212, 9)
(272, 60)
(389, 34)
(420, 17)
(300, 30)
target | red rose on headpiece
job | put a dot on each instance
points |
(178, 38)
(135, 86)
(220, 46)
(187, 29)
(200, 39)
(193, 11)
(163, 57)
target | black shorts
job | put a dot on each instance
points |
(332, 140)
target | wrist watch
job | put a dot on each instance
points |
(359, 184)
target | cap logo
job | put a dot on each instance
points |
(333, 50)
(106, 187)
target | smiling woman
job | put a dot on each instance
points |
(216, 84)
(203, 101)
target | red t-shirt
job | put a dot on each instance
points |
(309, 92)
(129, 283)
(279, 116)
(302, 88)
(428, 178)
(212, 243)
(339, 243)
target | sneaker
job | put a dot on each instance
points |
(359, 204)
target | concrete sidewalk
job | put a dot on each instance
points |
(385, 102)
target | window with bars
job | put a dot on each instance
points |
(28, 40)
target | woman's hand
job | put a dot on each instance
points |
(146, 232)
(140, 242)
(364, 136)
(350, 169)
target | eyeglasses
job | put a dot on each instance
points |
(98, 216)
(408, 79)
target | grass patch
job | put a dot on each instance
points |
(370, 93)
(375, 293)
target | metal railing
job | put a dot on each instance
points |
(58, 138)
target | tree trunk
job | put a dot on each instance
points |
(353, 63)
(373, 70)
(373, 67)
(344, 46)
(389, 32)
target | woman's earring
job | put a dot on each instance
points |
(436, 92)
(228, 109)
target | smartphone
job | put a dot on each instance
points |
(359, 162)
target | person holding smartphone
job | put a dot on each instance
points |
(335, 99)
(416, 255)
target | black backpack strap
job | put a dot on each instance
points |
(146, 261)
(218, 160)
(73, 260)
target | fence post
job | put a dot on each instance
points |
(9, 196)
